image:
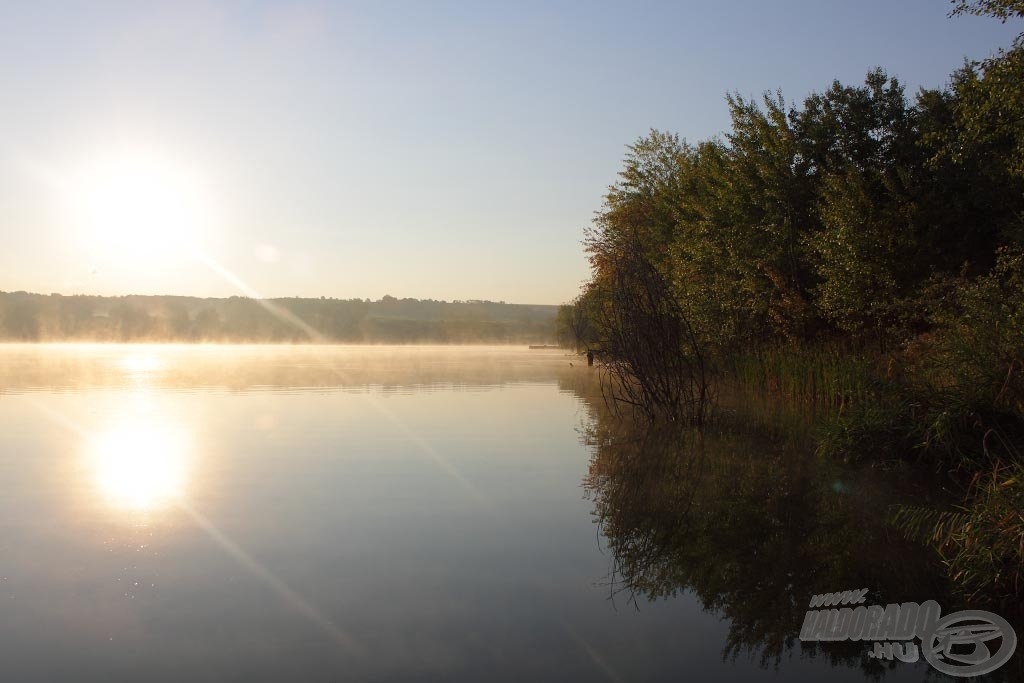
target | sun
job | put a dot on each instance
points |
(140, 208)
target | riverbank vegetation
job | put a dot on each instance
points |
(861, 254)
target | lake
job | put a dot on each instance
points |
(314, 513)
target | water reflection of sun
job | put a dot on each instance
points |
(139, 464)
(141, 364)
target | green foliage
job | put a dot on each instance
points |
(1001, 9)
(577, 325)
(859, 252)
(861, 256)
(564, 327)
(872, 431)
(826, 379)
(980, 351)
(990, 93)
(818, 222)
(770, 199)
(960, 395)
(981, 542)
(970, 378)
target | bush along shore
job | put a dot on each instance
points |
(860, 255)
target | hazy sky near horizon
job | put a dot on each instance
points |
(447, 150)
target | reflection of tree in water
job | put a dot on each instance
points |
(752, 528)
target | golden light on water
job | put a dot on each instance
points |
(141, 364)
(139, 464)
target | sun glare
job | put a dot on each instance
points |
(141, 365)
(139, 465)
(141, 209)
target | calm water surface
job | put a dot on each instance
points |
(387, 513)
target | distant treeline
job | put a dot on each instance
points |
(37, 317)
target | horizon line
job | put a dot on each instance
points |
(322, 297)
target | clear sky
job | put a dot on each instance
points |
(447, 150)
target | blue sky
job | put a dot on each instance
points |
(445, 150)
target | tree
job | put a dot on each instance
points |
(575, 327)
(1001, 9)
(990, 93)
(770, 196)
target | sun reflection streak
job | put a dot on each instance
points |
(282, 589)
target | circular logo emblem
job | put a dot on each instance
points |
(958, 643)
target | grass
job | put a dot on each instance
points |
(949, 405)
(981, 542)
(822, 378)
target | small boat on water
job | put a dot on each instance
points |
(544, 346)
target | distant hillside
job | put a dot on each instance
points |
(39, 317)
